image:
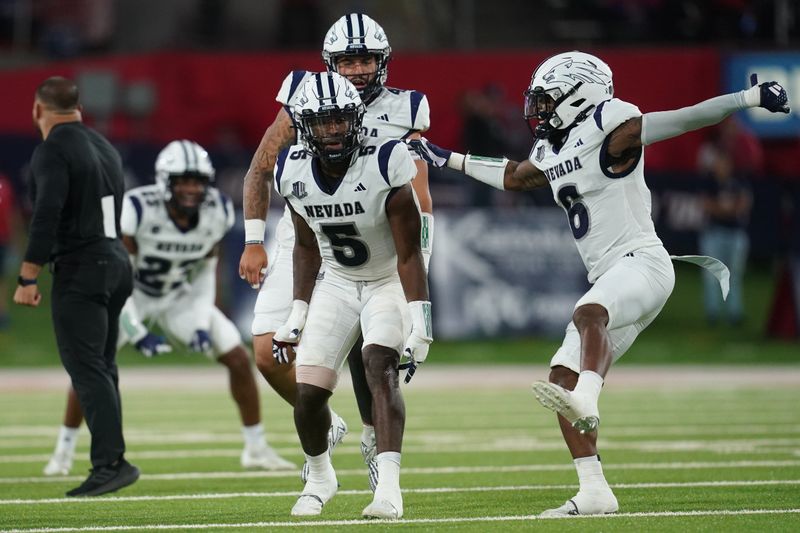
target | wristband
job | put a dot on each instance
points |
(489, 170)
(420, 312)
(25, 282)
(254, 230)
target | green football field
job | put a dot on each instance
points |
(695, 449)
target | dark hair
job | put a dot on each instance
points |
(59, 94)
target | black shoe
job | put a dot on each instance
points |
(104, 479)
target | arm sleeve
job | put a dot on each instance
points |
(667, 124)
(49, 170)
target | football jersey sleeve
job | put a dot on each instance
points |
(420, 112)
(131, 215)
(290, 86)
(280, 165)
(395, 163)
(612, 113)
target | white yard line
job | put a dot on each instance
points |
(511, 444)
(242, 474)
(434, 376)
(433, 490)
(455, 520)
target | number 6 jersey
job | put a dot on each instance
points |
(608, 212)
(349, 218)
(167, 255)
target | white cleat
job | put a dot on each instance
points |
(59, 465)
(336, 435)
(585, 503)
(368, 452)
(264, 458)
(383, 508)
(315, 495)
(581, 411)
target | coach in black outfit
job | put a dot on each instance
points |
(77, 189)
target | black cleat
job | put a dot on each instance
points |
(105, 479)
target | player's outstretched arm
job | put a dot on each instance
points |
(256, 195)
(666, 124)
(500, 173)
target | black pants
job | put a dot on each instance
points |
(88, 294)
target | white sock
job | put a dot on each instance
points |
(318, 465)
(589, 383)
(590, 473)
(254, 436)
(67, 440)
(368, 434)
(388, 471)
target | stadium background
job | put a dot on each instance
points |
(702, 426)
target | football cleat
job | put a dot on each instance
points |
(59, 464)
(336, 434)
(385, 507)
(580, 410)
(265, 458)
(585, 503)
(315, 495)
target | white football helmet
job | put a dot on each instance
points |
(357, 34)
(564, 89)
(182, 158)
(328, 113)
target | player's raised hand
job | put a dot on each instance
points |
(200, 342)
(288, 335)
(253, 264)
(772, 95)
(152, 345)
(429, 152)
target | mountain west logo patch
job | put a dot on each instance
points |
(299, 190)
(539, 153)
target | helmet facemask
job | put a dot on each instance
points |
(377, 78)
(332, 134)
(175, 199)
(542, 105)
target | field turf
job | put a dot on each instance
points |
(705, 449)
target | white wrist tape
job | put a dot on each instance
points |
(456, 161)
(421, 321)
(426, 238)
(489, 170)
(130, 323)
(254, 230)
(752, 96)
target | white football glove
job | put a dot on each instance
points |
(420, 339)
(288, 335)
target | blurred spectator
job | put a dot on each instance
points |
(728, 161)
(8, 216)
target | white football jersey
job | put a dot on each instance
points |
(167, 255)
(609, 213)
(393, 114)
(349, 220)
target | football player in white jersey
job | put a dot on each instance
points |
(355, 213)
(590, 149)
(357, 48)
(171, 230)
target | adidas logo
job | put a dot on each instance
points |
(385, 117)
(579, 143)
(360, 187)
